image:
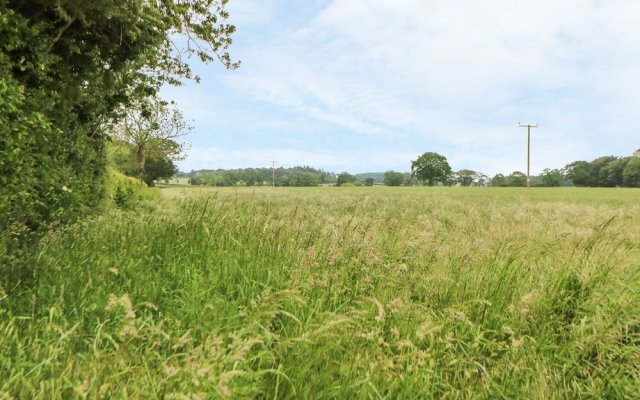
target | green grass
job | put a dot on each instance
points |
(351, 293)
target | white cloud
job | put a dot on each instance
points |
(456, 75)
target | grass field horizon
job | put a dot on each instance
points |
(355, 293)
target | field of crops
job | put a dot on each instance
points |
(354, 293)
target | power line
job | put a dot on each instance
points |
(528, 126)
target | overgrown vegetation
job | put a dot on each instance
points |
(126, 192)
(66, 68)
(333, 293)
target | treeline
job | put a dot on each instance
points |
(548, 178)
(301, 176)
(607, 171)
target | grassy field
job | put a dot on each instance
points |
(351, 293)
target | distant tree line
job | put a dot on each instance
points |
(301, 176)
(608, 171)
(431, 169)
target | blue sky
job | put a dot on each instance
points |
(368, 85)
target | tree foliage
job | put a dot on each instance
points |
(517, 179)
(153, 128)
(393, 178)
(346, 178)
(295, 176)
(466, 177)
(431, 168)
(157, 168)
(499, 180)
(552, 177)
(631, 173)
(66, 68)
(608, 171)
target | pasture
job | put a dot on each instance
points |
(354, 293)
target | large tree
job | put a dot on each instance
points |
(153, 128)
(158, 168)
(431, 168)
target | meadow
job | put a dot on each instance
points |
(353, 293)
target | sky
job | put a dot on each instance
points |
(369, 85)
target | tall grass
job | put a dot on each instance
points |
(333, 293)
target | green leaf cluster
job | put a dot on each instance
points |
(393, 178)
(431, 168)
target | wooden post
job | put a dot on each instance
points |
(528, 126)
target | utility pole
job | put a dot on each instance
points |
(273, 173)
(528, 126)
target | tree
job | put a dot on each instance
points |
(482, 179)
(517, 179)
(581, 173)
(499, 180)
(153, 127)
(611, 175)
(465, 177)
(369, 181)
(602, 172)
(631, 173)
(304, 179)
(347, 178)
(230, 178)
(552, 177)
(393, 178)
(599, 166)
(431, 168)
(158, 168)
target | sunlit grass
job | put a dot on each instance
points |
(334, 293)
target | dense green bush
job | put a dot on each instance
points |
(51, 159)
(65, 68)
